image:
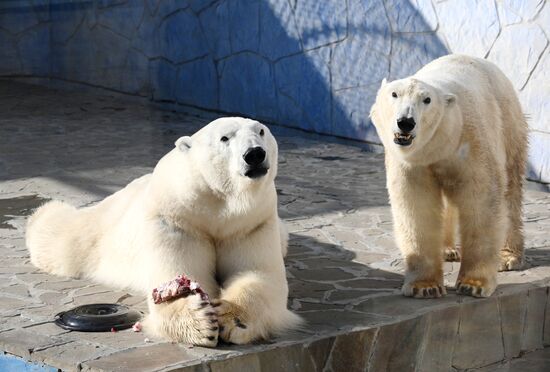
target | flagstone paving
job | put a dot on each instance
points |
(343, 267)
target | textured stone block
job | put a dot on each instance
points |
(9, 63)
(102, 4)
(107, 64)
(320, 22)
(247, 86)
(439, 337)
(538, 167)
(351, 53)
(516, 57)
(22, 343)
(135, 74)
(167, 7)
(368, 22)
(479, 339)
(534, 320)
(66, 18)
(543, 19)
(410, 52)
(534, 97)
(244, 31)
(146, 38)
(147, 358)
(245, 363)
(181, 38)
(512, 313)
(17, 16)
(277, 27)
(506, 15)
(412, 16)
(303, 85)
(69, 356)
(525, 9)
(215, 25)
(124, 18)
(197, 84)
(163, 80)
(34, 51)
(351, 352)
(199, 5)
(350, 113)
(470, 26)
(397, 346)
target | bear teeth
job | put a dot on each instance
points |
(403, 136)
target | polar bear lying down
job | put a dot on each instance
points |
(208, 210)
(456, 146)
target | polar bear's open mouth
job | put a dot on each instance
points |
(256, 172)
(402, 139)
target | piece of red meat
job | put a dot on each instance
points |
(181, 286)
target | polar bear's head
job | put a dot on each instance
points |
(232, 153)
(407, 114)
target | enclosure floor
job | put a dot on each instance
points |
(343, 267)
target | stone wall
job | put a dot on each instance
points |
(310, 64)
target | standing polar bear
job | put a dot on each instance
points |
(456, 143)
(208, 210)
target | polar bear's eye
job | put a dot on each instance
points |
(394, 95)
(427, 100)
(261, 132)
(224, 139)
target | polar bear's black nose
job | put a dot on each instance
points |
(406, 124)
(254, 156)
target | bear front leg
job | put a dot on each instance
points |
(483, 226)
(416, 204)
(451, 251)
(253, 299)
(190, 319)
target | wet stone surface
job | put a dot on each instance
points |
(344, 269)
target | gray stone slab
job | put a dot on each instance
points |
(23, 342)
(146, 358)
(438, 345)
(397, 346)
(512, 315)
(479, 339)
(533, 328)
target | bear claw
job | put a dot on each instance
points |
(510, 261)
(424, 289)
(473, 287)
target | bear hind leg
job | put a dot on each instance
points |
(511, 255)
(52, 234)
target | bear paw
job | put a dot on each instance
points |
(510, 261)
(189, 320)
(476, 287)
(452, 254)
(233, 323)
(424, 289)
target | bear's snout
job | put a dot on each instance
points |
(405, 124)
(254, 156)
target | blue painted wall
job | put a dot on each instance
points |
(310, 64)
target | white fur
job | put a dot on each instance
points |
(196, 214)
(465, 166)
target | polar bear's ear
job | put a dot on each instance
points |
(183, 143)
(384, 82)
(450, 98)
